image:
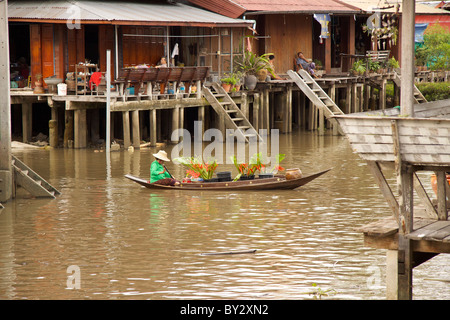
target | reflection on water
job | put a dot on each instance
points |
(133, 243)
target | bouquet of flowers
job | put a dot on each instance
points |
(197, 168)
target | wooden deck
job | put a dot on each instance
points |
(428, 235)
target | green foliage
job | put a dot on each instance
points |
(374, 65)
(392, 63)
(250, 63)
(359, 66)
(229, 79)
(433, 91)
(435, 51)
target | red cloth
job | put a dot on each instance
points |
(96, 77)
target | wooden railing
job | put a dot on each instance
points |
(145, 78)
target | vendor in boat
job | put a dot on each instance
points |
(159, 173)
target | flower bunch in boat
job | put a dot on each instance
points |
(197, 168)
(260, 163)
(244, 169)
(257, 163)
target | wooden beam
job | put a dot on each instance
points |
(136, 129)
(420, 190)
(80, 129)
(126, 129)
(384, 187)
(442, 185)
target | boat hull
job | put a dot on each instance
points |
(275, 183)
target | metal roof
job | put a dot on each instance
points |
(373, 5)
(278, 6)
(118, 12)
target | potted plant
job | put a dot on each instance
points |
(250, 64)
(246, 172)
(197, 168)
(374, 66)
(227, 82)
(358, 67)
(393, 64)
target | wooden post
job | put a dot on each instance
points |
(27, 121)
(201, 117)
(405, 190)
(175, 121)
(153, 129)
(383, 94)
(354, 98)
(256, 111)
(244, 104)
(332, 95)
(53, 128)
(136, 129)
(68, 127)
(302, 107)
(442, 185)
(391, 274)
(126, 129)
(366, 97)
(407, 58)
(289, 108)
(6, 186)
(80, 128)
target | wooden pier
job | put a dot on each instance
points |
(417, 230)
(151, 115)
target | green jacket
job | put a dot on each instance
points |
(155, 170)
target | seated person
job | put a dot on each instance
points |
(159, 173)
(163, 63)
(303, 63)
(273, 75)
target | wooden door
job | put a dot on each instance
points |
(47, 50)
(106, 42)
(35, 51)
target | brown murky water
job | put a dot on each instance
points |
(127, 242)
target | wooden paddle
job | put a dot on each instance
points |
(168, 172)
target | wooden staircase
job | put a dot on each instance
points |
(316, 94)
(418, 96)
(225, 106)
(31, 181)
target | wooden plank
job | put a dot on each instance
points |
(439, 234)
(384, 187)
(424, 232)
(405, 149)
(420, 190)
(380, 228)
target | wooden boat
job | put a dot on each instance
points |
(278, 182)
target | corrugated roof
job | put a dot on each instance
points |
(372, 5)
(117, 12)
(235, 8)
(329, 6)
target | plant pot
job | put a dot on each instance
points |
(265, 175)
(39, 87)
(261, 75)
(226, 86)
(224, 176)
(236, 88)
(211, 180)
(293, 174)
(250, 82)
(245, 177)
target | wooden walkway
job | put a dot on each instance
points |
(428, 235)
